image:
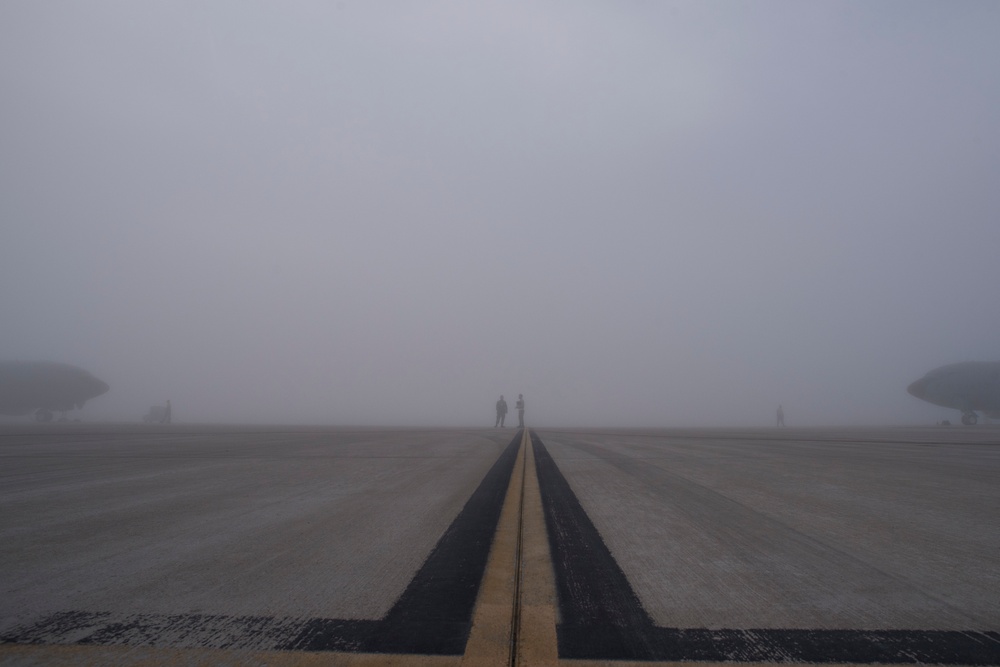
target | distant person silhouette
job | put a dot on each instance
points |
(166, 414)
(781, 417)
(520, 410)
(501, 412)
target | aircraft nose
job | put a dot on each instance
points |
(101, 387)
(918, 388)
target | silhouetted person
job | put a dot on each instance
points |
(501, 412)
(520, 410)
(781, 417)
(166, 414)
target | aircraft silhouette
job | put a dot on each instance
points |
(45, 387)
(969, 386)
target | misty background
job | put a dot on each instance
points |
(389, 213)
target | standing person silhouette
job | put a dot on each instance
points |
(520, 410)
(781, 416)
(501, 412)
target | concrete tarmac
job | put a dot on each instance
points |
(874, 529)
(226, 521)
(134, 544)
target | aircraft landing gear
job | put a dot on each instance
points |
(970, 418)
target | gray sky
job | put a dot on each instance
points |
(635, 213)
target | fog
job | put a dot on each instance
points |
(390, 213)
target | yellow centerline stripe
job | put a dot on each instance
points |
(515, 612)
(539, 602)
(492, 632)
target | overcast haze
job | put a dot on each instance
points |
(635, 213)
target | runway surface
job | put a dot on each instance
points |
(227, 545)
